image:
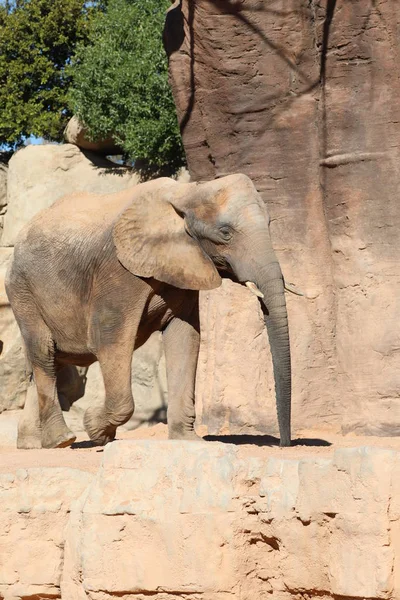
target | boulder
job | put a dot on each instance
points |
(3, 192)
(174, 520)
(76, 133)
(9, 428)
(13, 375)
(39, 175)
(302, 98)
(3, 185)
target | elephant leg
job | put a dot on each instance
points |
(181, 343)
(29, 429)
(54, 430)
(43, 407)
(114, 352)
(101, 422)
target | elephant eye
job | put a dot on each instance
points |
(225, 232)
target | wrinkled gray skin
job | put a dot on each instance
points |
(93, 276)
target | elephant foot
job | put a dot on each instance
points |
(99, 432)
(57, 436)
(179, 433)
(29, 435)
(29, 429)
(29, 441)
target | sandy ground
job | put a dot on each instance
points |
(82, 456)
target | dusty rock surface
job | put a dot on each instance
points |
(86, 457)
(302, 97)
(235, 393)
(204, 520)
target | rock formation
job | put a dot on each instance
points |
(13, 376)
(3, 192)
(75, 133)
(186, 520)
(302, 97)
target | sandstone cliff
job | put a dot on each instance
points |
(302, 96)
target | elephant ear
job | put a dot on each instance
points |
(151, 241)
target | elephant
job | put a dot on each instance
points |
(93, 276)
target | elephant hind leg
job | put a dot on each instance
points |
(43, 415)
(54, 430)
(29, 429)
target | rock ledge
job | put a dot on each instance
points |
(194, 520)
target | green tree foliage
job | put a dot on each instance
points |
(120, 83)
(37, 39)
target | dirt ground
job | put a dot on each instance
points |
(82, 456)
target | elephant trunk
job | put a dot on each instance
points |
(271, 284)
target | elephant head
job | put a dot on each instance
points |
(184, 234)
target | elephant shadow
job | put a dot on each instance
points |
(238, 440)
(263, 440)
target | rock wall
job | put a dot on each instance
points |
(302, 97)
(181, 520)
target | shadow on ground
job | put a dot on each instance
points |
(86, 444)
(263, 440)
(238, 440)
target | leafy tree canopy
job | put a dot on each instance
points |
(120, 83)
(37, 40)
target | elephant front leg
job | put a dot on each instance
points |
(181, 344)
(114, 351)
(101, 422)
